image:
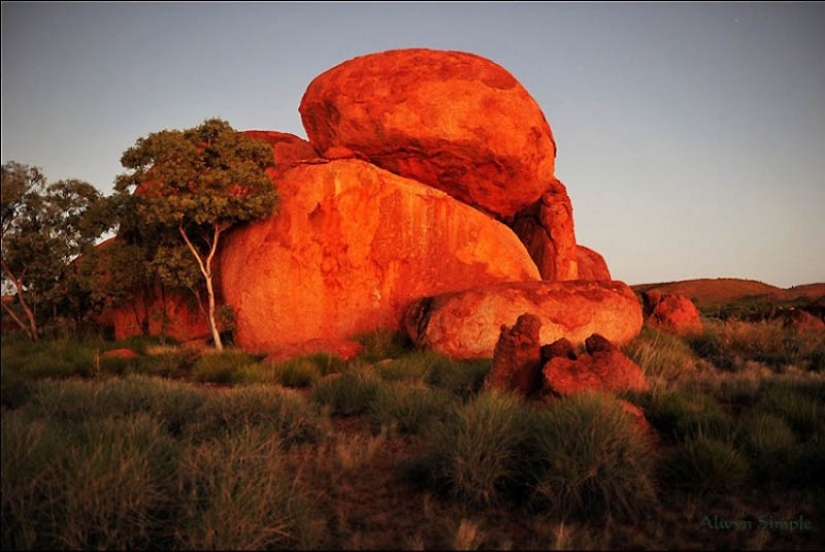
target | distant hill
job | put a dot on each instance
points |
(711, 294)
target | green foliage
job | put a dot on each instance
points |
(704, 463)
(590, 459)
(661, 355)
(685, 413)
(44, 227)
(478, 453)
(222, 367)
(240, 498)
(801, 406)
(349, 394)
(409, 408)
(194, 185)
(382, 344)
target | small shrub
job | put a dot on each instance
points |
(590, 459)
(704, 463)
(240, 496)
(661, 355)
(281, 411)
(349, 394)
(798, 405)
(408, 408)
(462, 378)
(769, 443)
(681, 414)
(477, 452)
(381, 344)
(223, 367)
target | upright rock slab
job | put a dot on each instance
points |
(517, 358)
(467, 324)
(350, 248)
(451, 120)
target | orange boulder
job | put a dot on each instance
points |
(467, 324)
(673, 313)
(287, 149)
(603, 368)
(546, 229)
(350, 248)
(591, 264)
(451, 120)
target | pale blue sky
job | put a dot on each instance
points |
(691, 135)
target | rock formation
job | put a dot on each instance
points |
(451, 120)
(546, 229)
(591, 264)
(466, 324)
(672, 313)
(517, 358)
(350, 248)
(603, 368)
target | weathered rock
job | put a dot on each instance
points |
(343, 350)
(603, 368)
(592, 265)
(287, 149)
(517, 358)
(350, 248)
(801, 321)
(451, 120)
(672, 313)
(123, 353)
(467, 324)
(559, 348)
(157, 312)
(546, 229)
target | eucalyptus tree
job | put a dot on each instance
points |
(197, 183)
(44, 228)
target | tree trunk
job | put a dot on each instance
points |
(206, 270)
(31, 331)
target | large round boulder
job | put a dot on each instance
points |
(467, 324)
(350, 247)
(451, 120)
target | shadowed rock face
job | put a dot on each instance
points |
(591, 264)
(451, 120)
(603, 368)
(350, 248)
(467, 324)
(546, 229)
(517, 358)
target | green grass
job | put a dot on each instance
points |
(661, 355)
(350, 393)
(409, 408)
(590, 459)
(225, 367)
(702, 463)
(680, 414)
(478, 453)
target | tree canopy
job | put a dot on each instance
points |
(197, 183)
(44, 228)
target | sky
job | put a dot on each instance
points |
(691, 136)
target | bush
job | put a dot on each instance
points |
(682, 414)
(704, 463)
(590, 459)
(799, 405)
(350, 393)
(223, 367)
(408, 408)
(277, 410)
(239, 496)
(661, 355)
(381, 344)
(99, 484)
(478, 452)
